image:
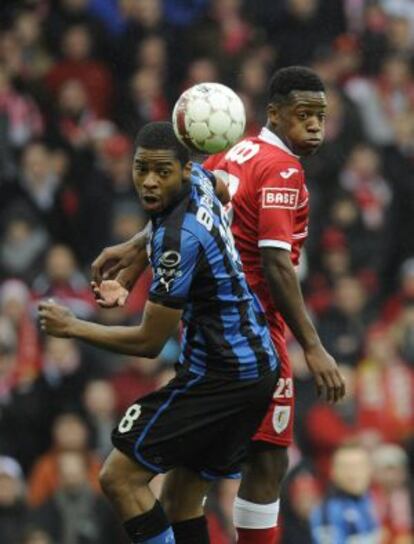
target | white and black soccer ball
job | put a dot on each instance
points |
(209, 118)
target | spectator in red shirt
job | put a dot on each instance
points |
(75, 117)
(330, 426)
(24, 119)
(15, 305)
(394, 306)
(385, 389)
(63, 280)
(70, 434)
(78, 63)
(145, 101)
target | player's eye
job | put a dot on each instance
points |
(302, 115)
(140, 168)
(164, 173)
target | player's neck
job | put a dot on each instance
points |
(281, 137)
(281, 140)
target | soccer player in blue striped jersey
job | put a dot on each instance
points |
(198, 425)
(194, 258)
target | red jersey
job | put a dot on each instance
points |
(269, 206)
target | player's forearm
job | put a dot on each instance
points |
(139, 239)
(125, 340)
(128, 276)
(286, 293)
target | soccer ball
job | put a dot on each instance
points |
(209, 118)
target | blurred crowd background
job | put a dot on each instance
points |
(77, 79)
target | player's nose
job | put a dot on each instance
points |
(151, 180)
(314, 125)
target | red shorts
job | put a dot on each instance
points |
(277, 425)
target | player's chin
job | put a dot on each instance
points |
(310, 148)
(154, 206)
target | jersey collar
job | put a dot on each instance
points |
(271, 138)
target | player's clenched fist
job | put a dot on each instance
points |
(55, 319)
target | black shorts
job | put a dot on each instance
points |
(202, 423)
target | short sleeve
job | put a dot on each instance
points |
(280, 194)
(173, 270)
(200, 175)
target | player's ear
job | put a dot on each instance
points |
(187, 170)
(273, 113)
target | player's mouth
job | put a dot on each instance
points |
(314, 141)
(150, 202)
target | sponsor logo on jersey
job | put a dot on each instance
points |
(289, 172)
(280, 197)
(280, 419)
(167, 268)
(170, 259)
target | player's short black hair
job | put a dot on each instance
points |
(293, 78)
(161, 135)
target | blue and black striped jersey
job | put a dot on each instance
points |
(345, 519)
(197, 268)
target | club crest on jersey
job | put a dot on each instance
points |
(280, 419)
(280, 197)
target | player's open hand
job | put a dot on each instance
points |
(55, 319)
(109, 293)
(112, 260)
(329, 381)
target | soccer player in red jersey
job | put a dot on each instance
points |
(269, 208)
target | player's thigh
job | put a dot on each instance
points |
(183, 494)
(119, 470)
(155, 430)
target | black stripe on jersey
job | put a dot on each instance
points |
(176, 303)
(211, 321)
(173, 224)
(254, 341)
(171, 242)
(187, 340)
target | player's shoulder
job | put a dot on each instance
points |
(261, 151)
(202, 177)
(274, 157)
(197, 224)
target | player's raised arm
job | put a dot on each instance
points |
(145, 340)
(114, 259)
